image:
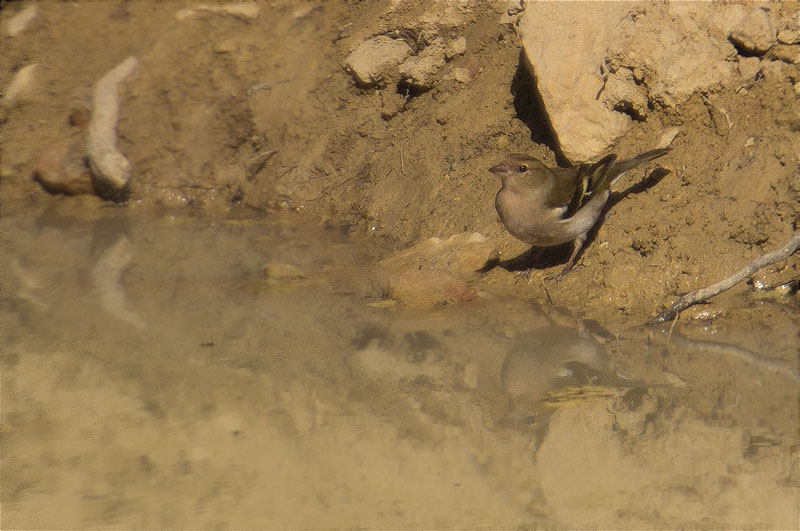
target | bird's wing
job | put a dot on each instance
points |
(573, 187)
(567, 187)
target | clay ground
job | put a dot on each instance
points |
(395, 167)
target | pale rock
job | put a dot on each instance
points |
(420, 70)
(623, 94)
(755, 31)
(570, 82)
(749, 67)
(784, 52)
(110, 170)
(667, 137)
(437, 271)
(241, 10)
(462, 75)
(456, 47)
(375, 58)
(626, 56)
(675, 56)
(789, 36)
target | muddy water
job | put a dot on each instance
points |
(175, 372)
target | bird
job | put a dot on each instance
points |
(544, 206)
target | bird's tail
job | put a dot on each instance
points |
(616, 171)
(596, 178)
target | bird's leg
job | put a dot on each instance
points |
(578, 244)
(526, 273)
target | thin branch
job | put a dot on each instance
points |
(704, 294)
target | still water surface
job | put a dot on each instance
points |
(192, 373)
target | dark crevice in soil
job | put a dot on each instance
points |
(531, 111)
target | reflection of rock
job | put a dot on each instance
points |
(22, 84)
(106, 274)
(437, 271)
(381, 355)
(279, 271)
(20, 21)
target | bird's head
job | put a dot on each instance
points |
(519, 168)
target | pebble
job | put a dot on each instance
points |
(375, 58)
(62, 169)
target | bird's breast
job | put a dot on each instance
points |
(528, 219)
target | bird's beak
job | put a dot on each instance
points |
(497, 169)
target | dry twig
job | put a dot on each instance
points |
(706, 293)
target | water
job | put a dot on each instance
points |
(175, 372)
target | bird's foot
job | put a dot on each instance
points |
(560, 276)
(525, 274)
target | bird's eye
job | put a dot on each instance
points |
(523, 168)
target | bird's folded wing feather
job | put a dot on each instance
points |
(573, 187)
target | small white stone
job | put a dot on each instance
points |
(462, 75)
(375, 57)
(457, 47)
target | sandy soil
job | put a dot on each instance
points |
(396, 167)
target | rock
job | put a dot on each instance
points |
(21, 85)
(376, 58)
(419, 71)
(455, 48)
(623, 94)
(20, 21)
(110, 169)
(242, 10)
(62, 169)
(570, 82)
(754, 31)
(749, 67)
(437, 271)
(462, 75)
(789, 36)
(80, 116)
(674, 57)
(785, 53)
(636, 56)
